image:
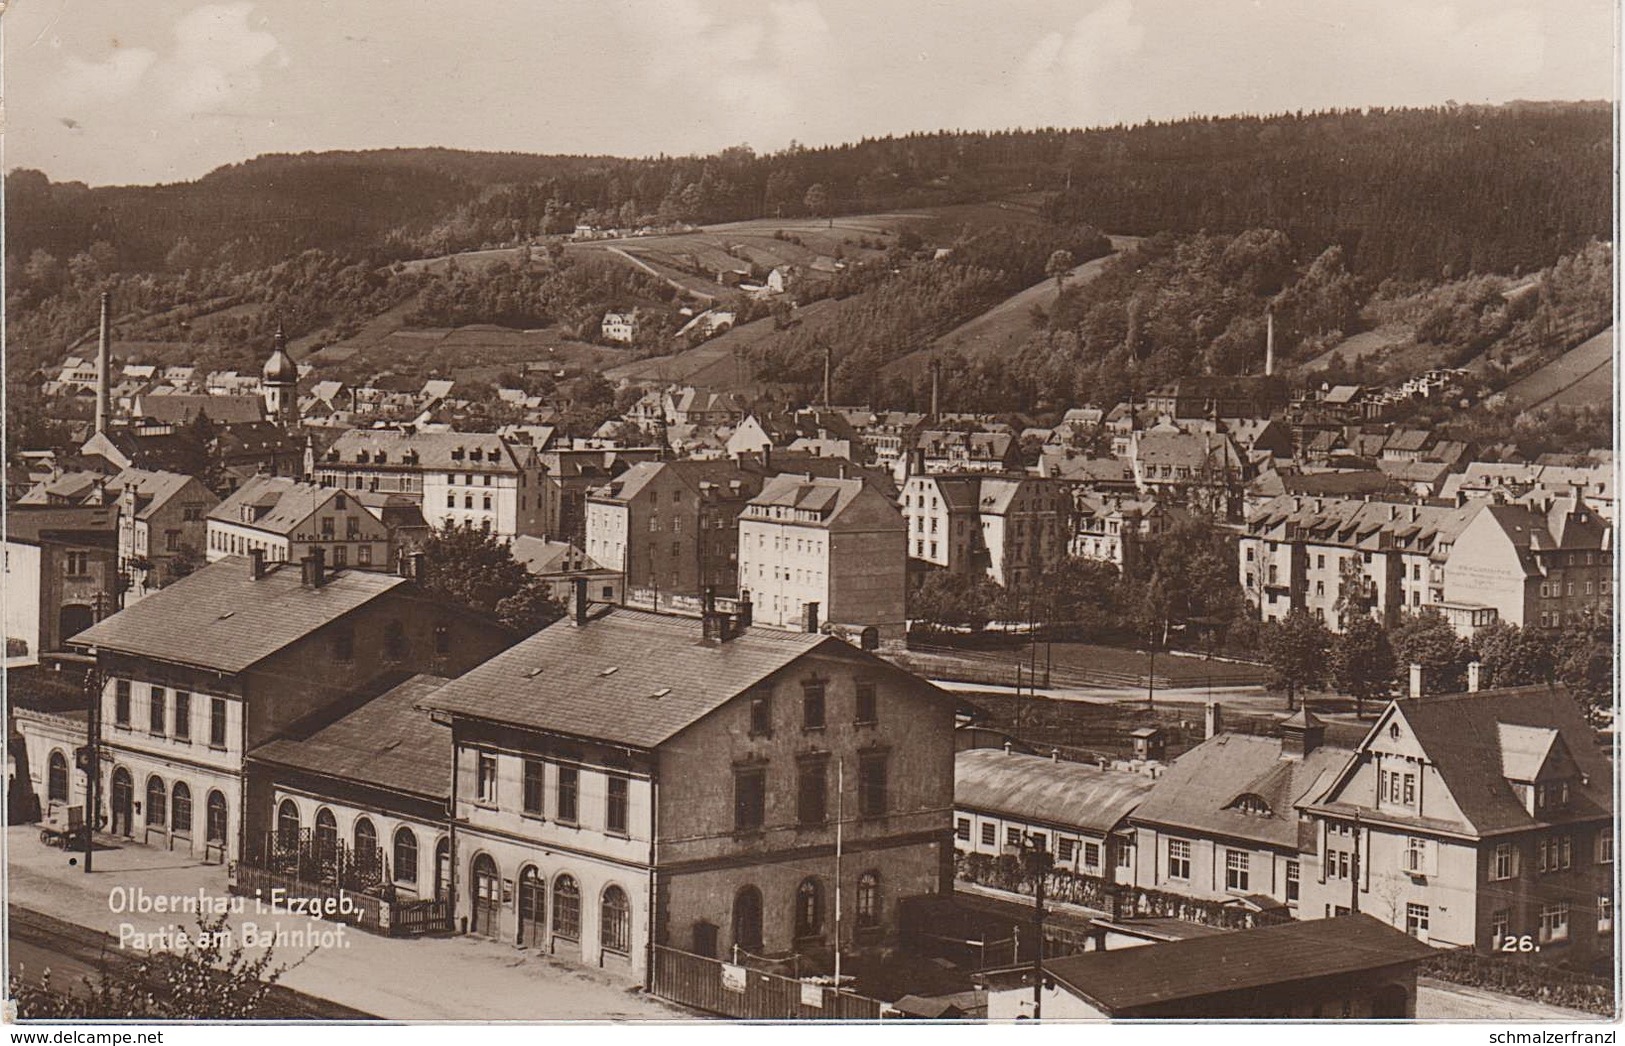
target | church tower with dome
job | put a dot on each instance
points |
(279, 382)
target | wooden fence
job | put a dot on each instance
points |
(746, 993)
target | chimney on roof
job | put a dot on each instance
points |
(1055, 755)
(746, 612)
(256, 563)
(1301, 734)
(812, 616)
(580, 601)
(1007, 747)
(312, 568)
(103, 361)
(1213, 720)
(1418, 678)
(1475, 671)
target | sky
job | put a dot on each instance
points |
(121, 92)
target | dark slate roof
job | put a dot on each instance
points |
(1033, 788)
(1134, 978)
(1199, 791)
(389, 742)
(627, 676)
(1461, 735)
(221, 618)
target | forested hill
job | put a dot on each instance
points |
(1406, 193)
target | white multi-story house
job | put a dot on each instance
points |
(1008, 526)
(837, 544)
(286, 520)
(620, 326)
(480, 479)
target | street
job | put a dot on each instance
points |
(472, 978)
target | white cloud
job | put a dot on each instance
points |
(217, 57)
(1059, 77)
(118, 77)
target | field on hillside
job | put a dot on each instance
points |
(1581, 377)
(719, 362)
(1371, 346)
(478, 351)
(1002, 329)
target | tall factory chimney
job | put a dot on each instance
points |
(936, 380)
(103, 345)
(829, 352)
(1269, 340)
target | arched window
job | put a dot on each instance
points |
(216, 818)
(366, 839)
(406, 856)
(56, 778)
(156, 796)
(287, 824)
(395, 647)
(809, 908)
(748, 918)
(180, 809)
(566, 908)
(869, 899)
(615, 920)
(327, 834)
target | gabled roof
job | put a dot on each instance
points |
(434, 451)
(1198, 792)
(1033, 788)
(89, 524)
(220, 617)
(389, 742)
(1524, 750)
(280, 504)
(181, 408)
(627, 676)
(153, 489)
(1462, 736)
(1133, 978)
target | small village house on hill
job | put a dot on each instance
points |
(624, 780)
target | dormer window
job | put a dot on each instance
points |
(1251, 803)
(1552, 795)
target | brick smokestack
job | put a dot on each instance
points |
(103, 362)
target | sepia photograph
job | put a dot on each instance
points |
(657, 512)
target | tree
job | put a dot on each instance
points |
(817, 202)
(1059, 265)
(185, 560)
(211, 978)
(1363, 662)
(469, 566)
(1297, 650)
(1427, 639)
(1584, 662)
(946, 600)
(530, 609)
(1513, 656)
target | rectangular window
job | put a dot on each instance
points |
(812, 704)
(1416, 921)
(1091, 855)
(486, 781)
(121, 702)
(1292, 880)
(1065, 848)
(1504, 865)
(812, 792)
(872, 784)
(1605, 913)
(761, 714)
(159, 711)
(990, 834)
(569, 787)
(1236, 870)
(1415, 858)
(615, 808)
(217, 722)
(183, 716)
(1179, 859)
(1605, 846)
(340, 556)
(1125, 853)
(867, 709)
(535, 786)
(1410, 790)
(363, 555)
(1012, 837)
(1500, 926)
(1554, 922)
(962, 829)
(750, 799)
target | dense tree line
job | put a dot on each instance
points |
(571, 294)
(1417, 193)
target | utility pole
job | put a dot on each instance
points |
(840, 816)
(93, 737)
(1354, 880)
(1038, 865)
